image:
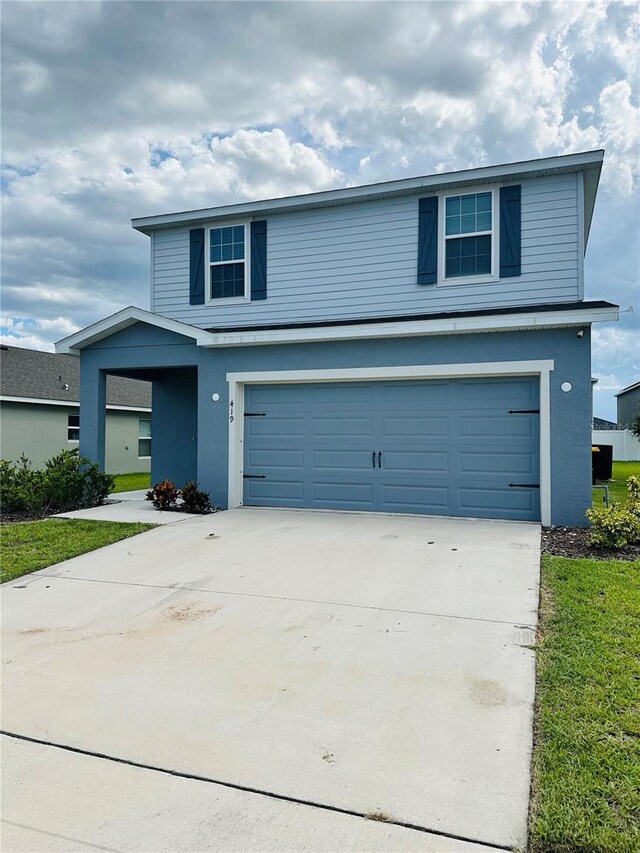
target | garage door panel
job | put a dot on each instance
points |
(273, 492)
(482, 462)
(273, 426)
(275, 458)
(447, 447)
(498, 500)
(404, 393)
(487, 392)
(497, 427)
(342, 494)
(349, 393)
(416, 461)
(410, 426)
(416, 498)
(338, 426)
(341, 460)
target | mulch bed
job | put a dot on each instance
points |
(574, 542)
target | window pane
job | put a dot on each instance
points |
(468, 224)
(452, 225)
(467, 204)
(144, 428)
(483, 202)
(73, 420)
(466, 214)
(226, 244)
(227, 281)
(468, 256)
(484, 222)
(453, 206)
(144, 447)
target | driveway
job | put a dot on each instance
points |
(308, 668)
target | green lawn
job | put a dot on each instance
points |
(32, 545)
(586, 765)
(131, 482)
(618, 486)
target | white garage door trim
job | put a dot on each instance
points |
(237, 381)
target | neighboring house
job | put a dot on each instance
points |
(628, 403)
(601, 423)
(416, 346)
(40, 413)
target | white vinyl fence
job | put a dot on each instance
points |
(626, 447)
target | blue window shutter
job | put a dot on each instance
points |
(509, 231)
(259, 259)
(428, 240)
(196, 266)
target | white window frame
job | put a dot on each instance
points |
(144, 437)
(70, 415)
(228, 300)
(237, 381)
(494, 275)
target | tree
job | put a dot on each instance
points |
(635, 425)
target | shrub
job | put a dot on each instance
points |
(193, 500)
(163, 495)
(617, 526)
(635, 425)
(67, 482)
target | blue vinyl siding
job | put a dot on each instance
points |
(361, 260)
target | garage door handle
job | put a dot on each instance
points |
(379, 459)
(373, 459)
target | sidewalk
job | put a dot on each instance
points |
(128, 506)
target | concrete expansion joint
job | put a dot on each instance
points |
(177, 588)
(247, 789)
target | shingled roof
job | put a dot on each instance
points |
(47, 376)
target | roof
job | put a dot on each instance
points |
(558, 315)
(628, 388)
(37, 375)
(587, 162)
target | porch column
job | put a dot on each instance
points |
(93, 403)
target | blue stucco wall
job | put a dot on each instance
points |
(142, 346)
(174, 426)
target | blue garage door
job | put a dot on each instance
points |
(442, 447)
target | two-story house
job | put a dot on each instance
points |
(416, 346)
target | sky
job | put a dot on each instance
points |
(115, 110)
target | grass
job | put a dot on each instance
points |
(31, 545)
(618, 488)
(131, 482)
(586, 763)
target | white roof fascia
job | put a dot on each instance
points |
(417, 328)
(73, 344)
(70, 404)
(349, 195)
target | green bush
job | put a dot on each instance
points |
(67, 482)
(193, 500)
(617, 526)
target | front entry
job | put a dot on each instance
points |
(460, 447)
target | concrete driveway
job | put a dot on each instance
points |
(308, 668)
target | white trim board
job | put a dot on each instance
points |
(237, 381)
(533, 319)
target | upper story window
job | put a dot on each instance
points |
(228, 273)
(470, 236)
